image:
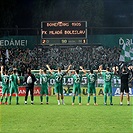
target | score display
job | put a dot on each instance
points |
(64, 32)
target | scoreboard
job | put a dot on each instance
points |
(71, 32)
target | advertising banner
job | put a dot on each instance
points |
(22, 91)
(116, 92)
(67, 90)
(18, 42)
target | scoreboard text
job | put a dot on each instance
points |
(64, 32)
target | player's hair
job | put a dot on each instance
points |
(5, 72)
(59, 69)
(107, 69)
(14, 70)
(28, 70)
(77, 71)
(91, 71)
(124, 69)
(45, 70)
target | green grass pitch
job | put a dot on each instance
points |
(66, 118)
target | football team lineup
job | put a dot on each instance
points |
(66, 66)
(10, 84)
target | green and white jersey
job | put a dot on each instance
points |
(58, 77)
(5, 80)
(44, 79)
(91, 78)
(14, 80)
(107, 78)
(77, 79)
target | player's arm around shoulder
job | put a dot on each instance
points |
(18, 78)
(51, 71)
(96, 75)
(10, 78)
(2, 69)
(100, 70)
(84, 71)
(68, 68)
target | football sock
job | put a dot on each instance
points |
(62, 101)
(1, 99)
(41, 98)
(73, 99)
(5, 99)
(58, 101)
(10, 98)
(88, 99)
(47, 99)
(105, 98)
(79, 99)
(111, 98)
(16, 99)
(94, 99)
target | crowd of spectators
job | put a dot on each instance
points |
(19, 58)
(86, 56)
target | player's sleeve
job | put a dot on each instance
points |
(1, 75)
(48, 76)
(9, 85)
(40, 79)
(112, 73)
(81, 76)
(53, 73)
(87, 75)
(10, 78)
(64, 73)
(18, 78)
(103, 74)
(72, 76)
(95, 76)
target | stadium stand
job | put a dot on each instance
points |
(89, 57)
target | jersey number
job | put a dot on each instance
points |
(44, 79)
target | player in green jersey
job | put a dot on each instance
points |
(76, 86)
(107, 75)
(92, 77)
(44, 78)
(58, 82)
(14, 81)
(5, 85)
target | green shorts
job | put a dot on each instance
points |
(44, 90)
(91, 89)
(58, 88)
(5, 90)
(14, 89)
(107, 89)
(76, 88)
